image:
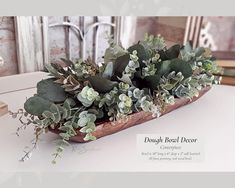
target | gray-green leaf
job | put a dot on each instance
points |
(51, 91)
(36, 105)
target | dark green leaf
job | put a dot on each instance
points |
(98, 112)
(179, 65)
(163, 69)
(142, 53)
(171, 53)
(50, 90)
(152, 81)
(120, 64)
(36, 105)
(100, 84)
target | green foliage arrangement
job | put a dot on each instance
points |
(145, 77)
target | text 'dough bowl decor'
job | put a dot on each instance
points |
(83, 101)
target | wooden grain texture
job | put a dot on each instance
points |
(101, 42)
(7, 46)
(3, 108)
(65, 41)
(107, 128)
(224, 55)
(193, 30)
(226, 63)
(29, 43)
(56, 40)
(75, 38)
(171, 28)
(227, 80)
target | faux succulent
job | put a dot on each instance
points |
(145, 77)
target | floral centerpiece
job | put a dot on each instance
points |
(147, 77)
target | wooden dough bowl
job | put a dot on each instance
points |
(107, 128)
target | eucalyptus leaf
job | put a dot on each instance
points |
(187, 47)
(171, 53)
(199, 51)
(51, 91)
(152, 82)
(55, 109)
(98, 112)
(100, 84)
(120, 64)
(36, 105)
(48, 114)
(126, 79)
(108, 71)
(163, 68)
(65, 113)
(52, 70)
(88, 137)
(166, 67)
(67, 110)
(142, 53)
(178, 65)
(113, 52)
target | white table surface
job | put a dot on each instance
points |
(211, 117)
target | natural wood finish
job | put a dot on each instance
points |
(82, 37)
(226, 63)
(29, 43)
(7, 47)
(192, 30)
(3, 108)
(227, 80)
(226, 55)
(107, 128)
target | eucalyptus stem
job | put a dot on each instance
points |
(28, 153)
